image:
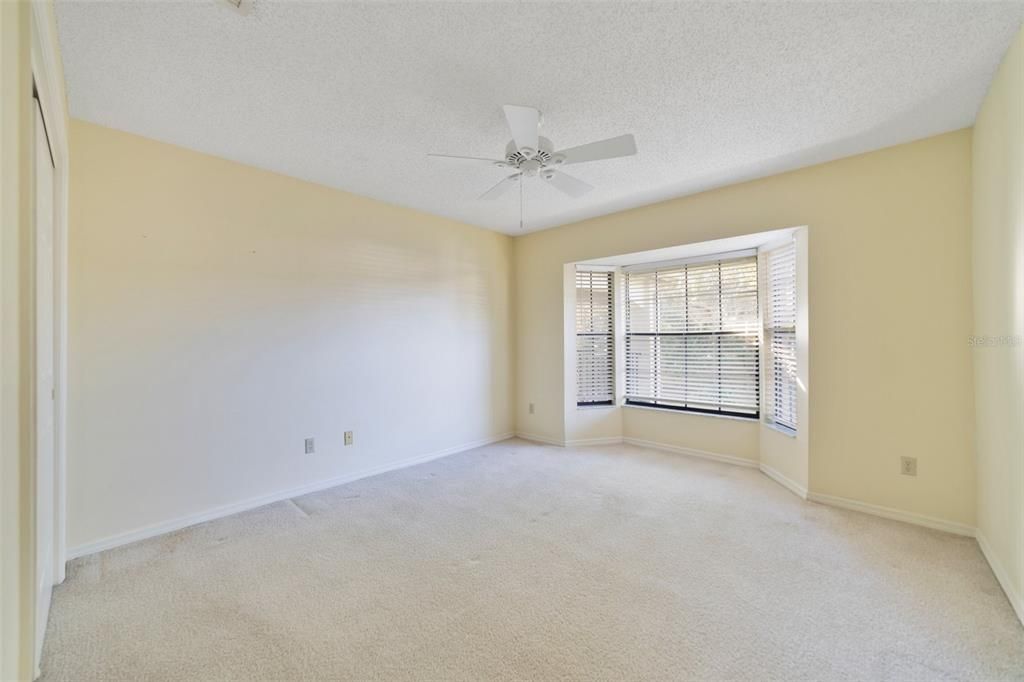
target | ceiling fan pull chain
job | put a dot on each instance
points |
(520, 206)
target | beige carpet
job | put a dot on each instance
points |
(522, 561)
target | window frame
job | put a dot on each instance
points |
(609, 334)
(753, 333)
(771, 330)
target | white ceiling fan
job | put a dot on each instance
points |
(530, 155)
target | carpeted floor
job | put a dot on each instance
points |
(527, 562)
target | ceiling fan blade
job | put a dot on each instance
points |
(472, 159)
(574, 187)
(502, 187)
(612, 148)
(524, 123)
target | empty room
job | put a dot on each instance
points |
(423, 340)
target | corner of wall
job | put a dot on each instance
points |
(997, 344)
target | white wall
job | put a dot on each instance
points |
(221, 314)
(998, 283)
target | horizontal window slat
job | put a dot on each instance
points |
(595, 342)
(692, 335)
(780, 335)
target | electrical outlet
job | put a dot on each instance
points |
(908, 466)
(310, 447)
(531, 408)
(348, 438)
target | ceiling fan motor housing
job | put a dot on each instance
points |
(531, 161)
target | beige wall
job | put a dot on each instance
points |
(221, 314)
(709, 435)
(890, 313)
(16, 528)
(998, 248)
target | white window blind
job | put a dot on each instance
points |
(595, 341)
(780, 336)
(692, 337)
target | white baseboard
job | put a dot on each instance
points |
(1014, 597)
(894, 514)
(783, 480)
(611, 440)
(171, 525)
(539, 439)
(692, 452)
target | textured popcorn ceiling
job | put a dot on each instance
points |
(355, 95)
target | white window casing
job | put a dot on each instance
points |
(692, 335)
(595, 338)
(780, 316)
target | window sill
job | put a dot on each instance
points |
(784, 430)
(669, 410)
(597, 407)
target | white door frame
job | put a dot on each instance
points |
(48, 76)
(49, 79)
(45, 431)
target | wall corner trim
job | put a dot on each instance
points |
(783, 480)
(181, 522)
(693, 452)
(1002, 577)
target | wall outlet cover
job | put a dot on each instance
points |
(310, 446)
(908, 466)
(348, 438)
